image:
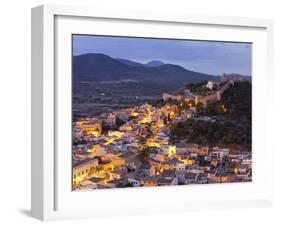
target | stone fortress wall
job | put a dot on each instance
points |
(200, 98)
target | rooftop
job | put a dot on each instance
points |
(96, 179)
(77, 163)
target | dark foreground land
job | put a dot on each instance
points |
(95, 98)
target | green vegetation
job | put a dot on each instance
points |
(233, 120)
(201, 88)
(238, 100)
(161, 103)
(158, 103)
(203, 132)
(198, 87)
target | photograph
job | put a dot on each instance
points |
(150, 112)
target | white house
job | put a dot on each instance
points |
(210, 85)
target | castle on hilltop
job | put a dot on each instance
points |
(203, 99)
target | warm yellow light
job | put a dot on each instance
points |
(111, 167)
(94, 133)
(224, 108)
(109, 141)
(153, 144)
(134, 114)
(145, 120)
(188, 162)
(171, 150)
(115, 133)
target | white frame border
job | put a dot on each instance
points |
(43, 88)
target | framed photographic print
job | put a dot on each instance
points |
(137, 112)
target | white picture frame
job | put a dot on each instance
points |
(51, 197)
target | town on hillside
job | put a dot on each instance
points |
(198, 134)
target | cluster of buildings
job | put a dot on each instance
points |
(166, 165)
(134, 150)
(114, 154)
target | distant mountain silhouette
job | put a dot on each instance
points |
(97, 67)
(237, 77)
(129, 62)
(154, 63)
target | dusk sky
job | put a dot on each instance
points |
(201, 56)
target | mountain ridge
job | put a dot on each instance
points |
(97, 67)
(154, 63)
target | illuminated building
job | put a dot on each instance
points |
(83, 169)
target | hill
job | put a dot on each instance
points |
(237, 77)
(233, 120)
(96, 67)
(154, 63)
(129, 62)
